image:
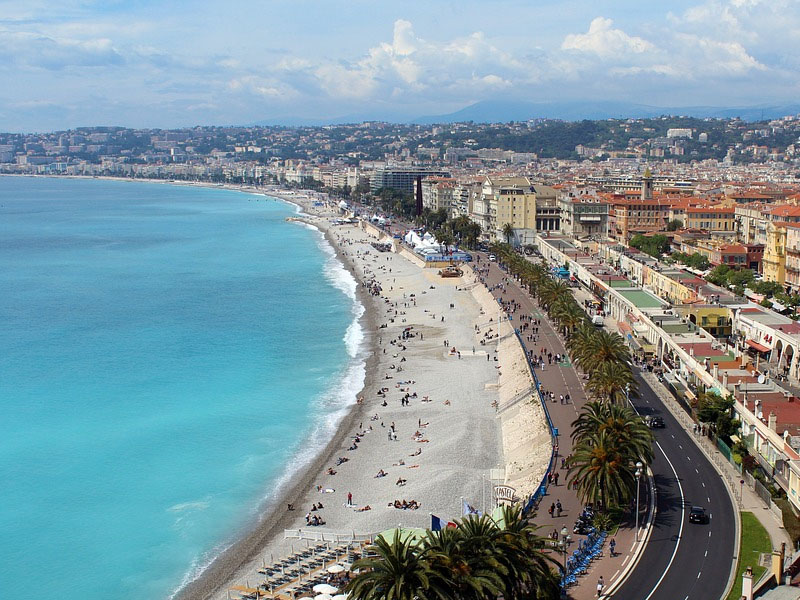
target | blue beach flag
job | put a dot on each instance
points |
(466, 509)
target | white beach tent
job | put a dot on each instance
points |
(343, 205)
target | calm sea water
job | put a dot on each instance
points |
(165, 353)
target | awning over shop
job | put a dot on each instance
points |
(757, 346)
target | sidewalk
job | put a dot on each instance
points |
(563, 379)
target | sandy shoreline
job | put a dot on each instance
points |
(463, 438)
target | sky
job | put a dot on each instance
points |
(177, 63)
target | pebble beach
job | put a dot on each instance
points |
(427, 427)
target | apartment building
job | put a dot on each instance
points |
(437, 193)
(509, 201)
(714, 219)
(774, 261)
(584, 215)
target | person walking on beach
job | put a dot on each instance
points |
(349, 499)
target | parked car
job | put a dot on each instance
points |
(492, 257)
(698, 515)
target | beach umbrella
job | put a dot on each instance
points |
(340, 597)
(335, 569)
(325, 588)
(323, 597)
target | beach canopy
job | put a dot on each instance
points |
(416, 534)
(324, 588)
(335, 569)
(341, 596)
(323, 597)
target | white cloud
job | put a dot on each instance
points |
(33, 50)
(605, 41)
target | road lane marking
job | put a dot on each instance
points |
(680, 531)
(698, 472)
(698, 574)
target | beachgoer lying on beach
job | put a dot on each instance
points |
(331, 471)
(399, 463)
(400, 481)
(417, 453)
(426, 399)
(381, 473)
(341, 459)
(364, 508)
(447, 402)
(290, 507)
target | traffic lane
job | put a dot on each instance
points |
(704, 557)
(663, 537)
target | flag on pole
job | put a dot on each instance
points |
(437, 524)
(467, 509)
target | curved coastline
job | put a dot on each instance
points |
(291, 486)
(220, 562)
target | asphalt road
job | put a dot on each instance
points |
(682, 561)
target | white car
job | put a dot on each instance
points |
(492, 257)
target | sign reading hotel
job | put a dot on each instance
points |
(504, 493)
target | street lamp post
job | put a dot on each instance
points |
(639, 466)
(564, 540)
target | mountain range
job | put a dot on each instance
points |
(503, 111)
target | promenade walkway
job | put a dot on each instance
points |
(563, 379)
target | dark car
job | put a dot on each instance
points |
(656, 422)
(698, 515)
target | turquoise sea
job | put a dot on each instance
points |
(168, 356)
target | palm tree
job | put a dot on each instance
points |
(462, 560)
(550, 291)
(612, 382)
(604, 347)
(568, 314)
(521, 551)
(508, 232)
(602, 470)
(399, 572)
(622, 423)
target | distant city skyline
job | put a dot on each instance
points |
(183, 63)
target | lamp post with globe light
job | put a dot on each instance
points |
(564, 543)
(639, 466)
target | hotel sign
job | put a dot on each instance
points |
(504, 493)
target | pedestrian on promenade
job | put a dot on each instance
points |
(600, 585)
(558, 507)
(552, 509)
(613, 546)
(555, 478)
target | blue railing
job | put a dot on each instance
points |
(542, 489)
